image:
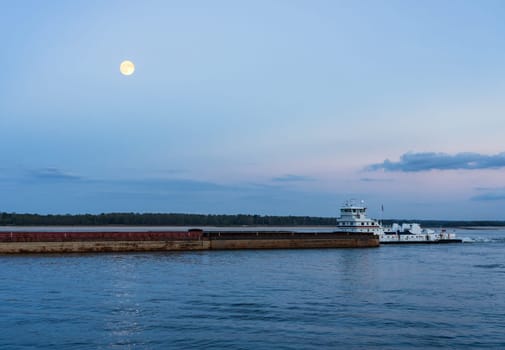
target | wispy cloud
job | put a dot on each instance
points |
(371, 179)
(158, 185)
(78, 194)
(490, 194)
(292, 178)
(489, 197)
(414, 162)
(169, 185)
(52, 174)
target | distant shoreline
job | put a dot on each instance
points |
(215, 220)
(490, 228)
(141, 228)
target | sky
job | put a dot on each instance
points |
(256, 107)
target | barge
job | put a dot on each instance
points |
(19, 242)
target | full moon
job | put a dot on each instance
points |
(127, 68)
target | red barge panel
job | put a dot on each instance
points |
(28, 236)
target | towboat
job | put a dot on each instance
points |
(353, 219)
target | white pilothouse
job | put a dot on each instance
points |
(353, 219)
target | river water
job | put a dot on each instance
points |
(392, 297)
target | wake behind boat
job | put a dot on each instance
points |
(353, 219)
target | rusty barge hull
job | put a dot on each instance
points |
(290, 240)
(82, 242)
(98, 246)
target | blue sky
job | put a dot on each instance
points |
(260, 107)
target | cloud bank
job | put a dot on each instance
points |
(415, 162)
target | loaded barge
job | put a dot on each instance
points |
(19, 242)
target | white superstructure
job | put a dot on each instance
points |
(413, 233)
(353, 219)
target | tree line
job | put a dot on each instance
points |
(159, 219)
(173, 219)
